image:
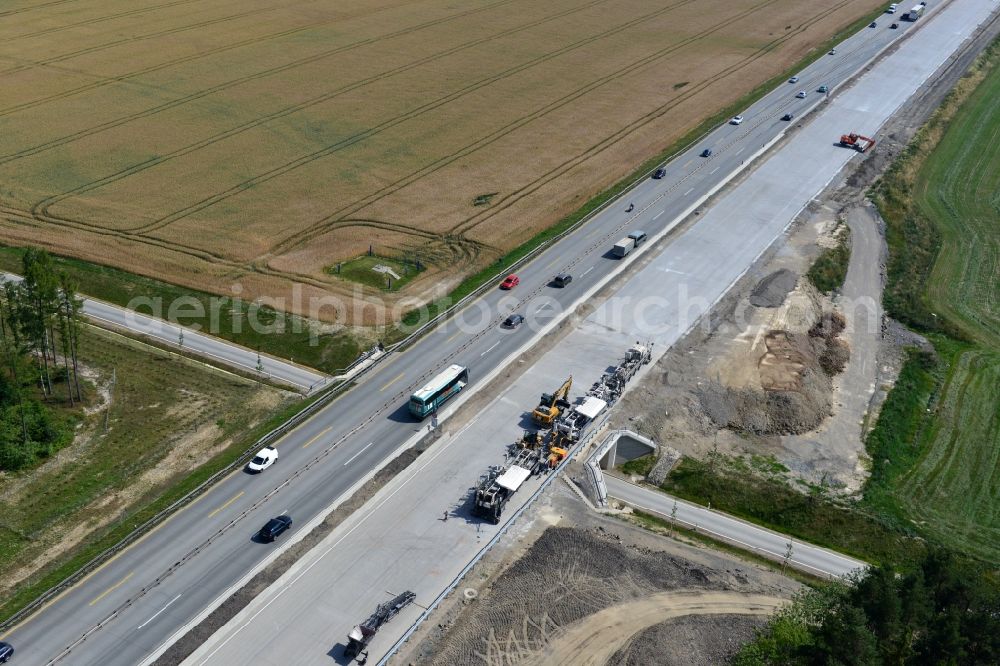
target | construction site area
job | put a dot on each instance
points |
(781, 375)
(576, 587)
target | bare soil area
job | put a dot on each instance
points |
(714, 390)
(577, 587)
(257, 143)
(593, 640)
(729, 633)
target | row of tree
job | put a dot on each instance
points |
(39, 343)
(945, 611)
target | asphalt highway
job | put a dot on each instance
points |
(220, 352)
(134, 605)
(399, 540)
(806, 557)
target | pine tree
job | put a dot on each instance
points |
(72, 305)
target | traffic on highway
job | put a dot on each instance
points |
(131, 608)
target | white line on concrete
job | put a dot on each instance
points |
(657, 216)
(351, 459)
(291, 581)
(158, 612)
(741, 150)
(688, 192)
(587, 271)
(490, 349)
(714, 170)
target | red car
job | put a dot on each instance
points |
(510, 282)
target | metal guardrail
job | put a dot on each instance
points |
(327, 393)
(489, 283)
(597, 427)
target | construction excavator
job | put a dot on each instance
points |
(857, 142)
(551, 403)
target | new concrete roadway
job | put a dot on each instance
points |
(132, 607)
(753, 538)
(220, 352)
(400, 540)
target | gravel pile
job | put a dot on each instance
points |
(772, 290)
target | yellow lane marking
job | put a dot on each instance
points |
(111, 589)
(553, 263)
(392, 381)
(317, 437)
(234, 498)
(453, 337)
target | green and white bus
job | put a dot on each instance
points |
(437, 391)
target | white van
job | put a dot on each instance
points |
(623, 247)
(892, 9)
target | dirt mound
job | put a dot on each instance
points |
(795, 385)
(772, 290)
(786, 361)
(567, 575)
(707, 639)
(760, 412)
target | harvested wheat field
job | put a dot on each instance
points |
(205, 142)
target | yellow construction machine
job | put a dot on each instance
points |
(550, 404)
(556, 455)
(530, 440)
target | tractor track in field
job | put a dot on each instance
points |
(130, 40)
(389, 123)
(42, 214)
(257, 122)
(100, 19)
(461, 228)
(21, 10)
(332, 220)
(505, 202)
(48, 217)
(246, 42)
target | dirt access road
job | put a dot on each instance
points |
(593, 640)
(572, 586)
(836, 445)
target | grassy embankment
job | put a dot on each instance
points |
(332, 352)
(937, 458)
(829, 270)
(936, 447)
(172, 423)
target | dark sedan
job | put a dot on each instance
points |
(274, 527)
(513, 321)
